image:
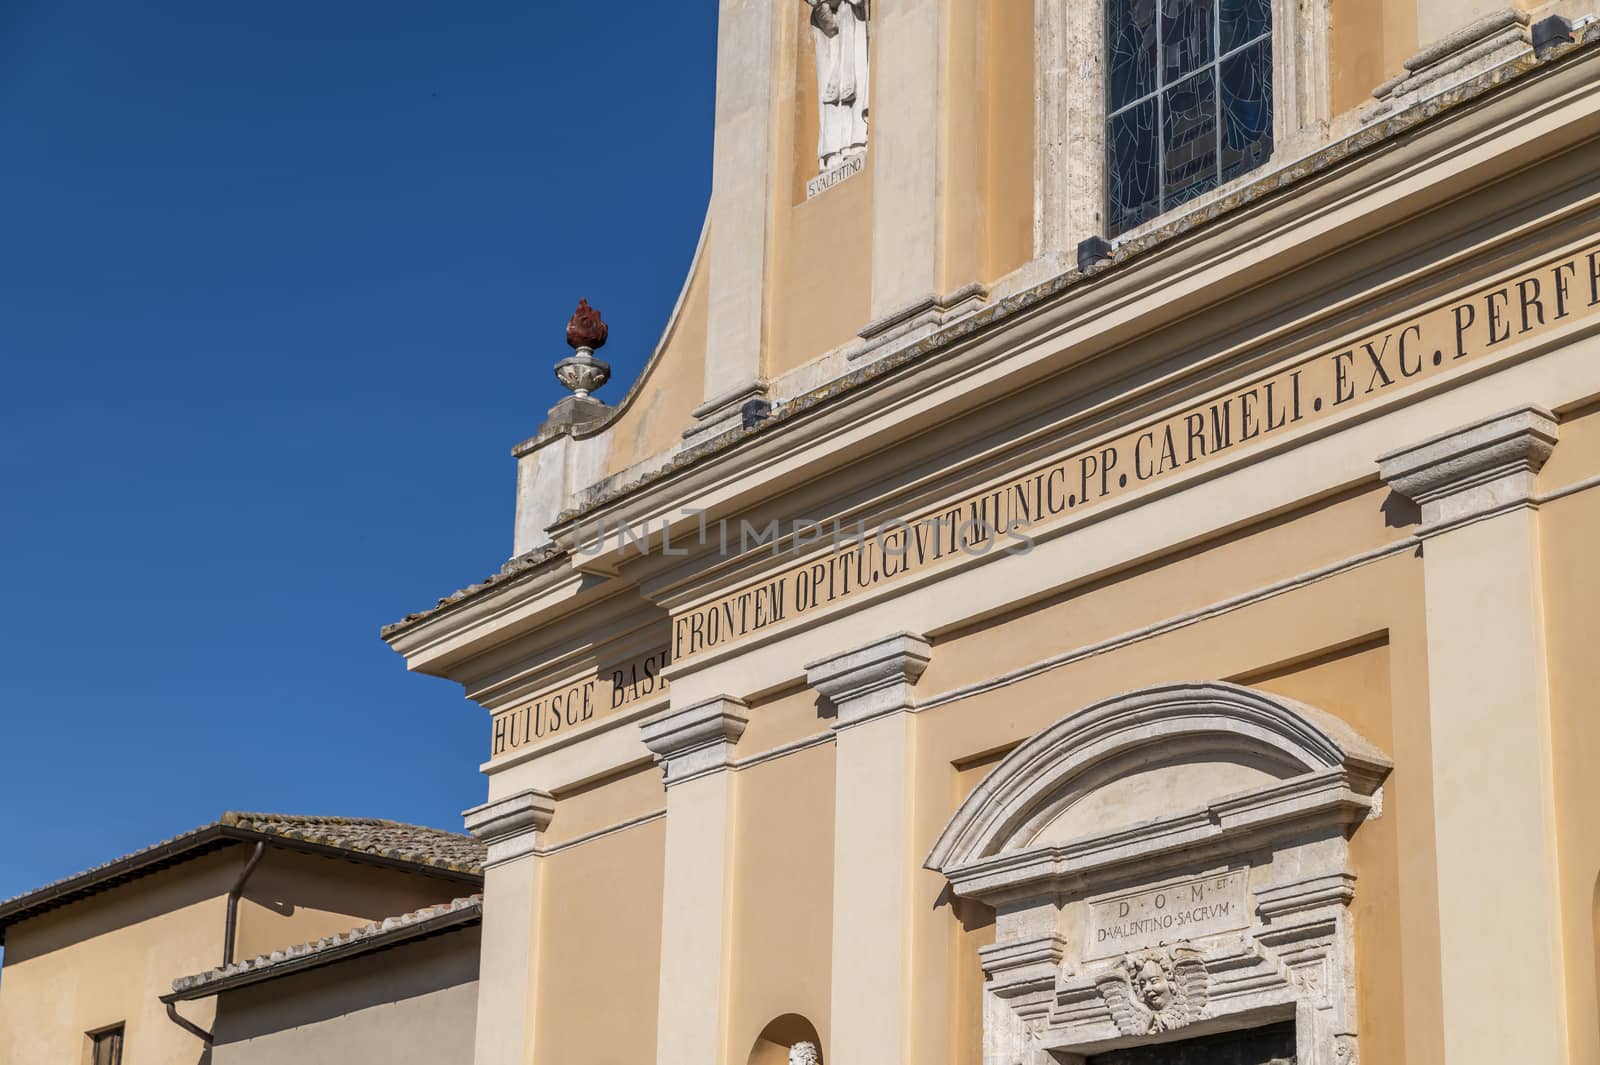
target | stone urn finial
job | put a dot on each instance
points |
(581, 372)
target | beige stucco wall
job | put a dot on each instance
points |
(820, 279)
(1287, 566)
(414, 1004)
(1572, 602)
(657, 407)
(1330, 644)
(819, 275)
(783, 864)
(1350, 645)
(599, 947)
(104, 961)
(293, 897)
(1367, 42)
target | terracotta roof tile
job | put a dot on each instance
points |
(449, 853)
(364, 940)
(371, 835)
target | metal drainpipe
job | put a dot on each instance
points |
(228, 932)
(232, 926)
(185, 1023)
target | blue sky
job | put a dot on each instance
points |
(280, 285)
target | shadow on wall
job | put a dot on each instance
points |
(1594, 931)
(772, 1045)
(405, 974)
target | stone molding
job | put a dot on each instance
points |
(985, 847)
(724, 411)
(871, 681)
(1480, 45)
(511, 826)
(695, 740)
(1475, 471)
(1242, 902)
(1296, 896)
(920, 317)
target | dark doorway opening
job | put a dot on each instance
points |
(1272, 1044)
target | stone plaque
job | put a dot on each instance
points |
(1187, 909)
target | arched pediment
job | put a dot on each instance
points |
(1174, 767)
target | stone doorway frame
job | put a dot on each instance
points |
(1047, 998)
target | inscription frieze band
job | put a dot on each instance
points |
(588, 698)
(1006, 516)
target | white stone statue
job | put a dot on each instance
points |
(839, 28)
(805, 1054)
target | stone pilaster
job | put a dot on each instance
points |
(873, 864)
(512, 828)
(694, 745)
(741, 190)
(1495, 832)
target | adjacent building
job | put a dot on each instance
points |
(91, 961)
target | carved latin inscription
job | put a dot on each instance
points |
(1007, 515)
(587, 698)
(1184, 910)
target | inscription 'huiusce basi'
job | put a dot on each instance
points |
(588, 698)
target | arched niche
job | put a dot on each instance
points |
(780, 1035)
(1168, 865)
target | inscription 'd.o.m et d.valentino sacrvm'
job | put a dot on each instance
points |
(1135, 920)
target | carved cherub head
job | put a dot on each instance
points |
(1153, 985)
(804, 1054)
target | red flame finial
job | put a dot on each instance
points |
(586, 330)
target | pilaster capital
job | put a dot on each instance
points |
(511, 826)
(1474, 471)
(697, 739)
(873, 680)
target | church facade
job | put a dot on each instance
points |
(1098, 568)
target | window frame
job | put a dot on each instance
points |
(1070, 157)
(117, 1033)
(1208, 70)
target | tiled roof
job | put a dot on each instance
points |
(359, 838)
(372, 836)
(388, 932)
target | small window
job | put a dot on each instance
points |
(1189, 100)
(106, 1047)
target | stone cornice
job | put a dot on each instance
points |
(873, 680)
(511, 826)
(1337, 188)
(1342, 205)
(1475, 471)
(697, 739)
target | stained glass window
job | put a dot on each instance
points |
(1189, 99)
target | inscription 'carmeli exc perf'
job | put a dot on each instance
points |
(1001, 517)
